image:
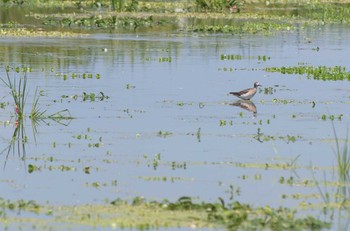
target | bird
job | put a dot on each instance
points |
(248, 93)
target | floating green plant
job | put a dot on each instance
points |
(219, 5)
(240, 57)
(183, 213)
(317, 73)
(26, 32)
(178, 165)
(159, 59)
(261, 137)
(230, 69)
(65, 76)
(264, 57)
(164, 134)
(247, 27)
(101, 22)
(332, 117)
(86, 97)
(267, 90)
(163, 178)
(230, 57)
(283, 101)
(129, 86)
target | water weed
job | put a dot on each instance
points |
(343, 157)
(100, 22)
(17, 86)
(240, 57)
(86, 75)
(248, 27)
(324, 73)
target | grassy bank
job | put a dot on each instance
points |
(215, 16)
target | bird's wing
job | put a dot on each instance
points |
(240, 92)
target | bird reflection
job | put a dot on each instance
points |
(247, 105)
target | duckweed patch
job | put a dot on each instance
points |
(249, 27)
(86, 75)
(324, 117)
(159, 59)
(171, 179)
(25, 32)
(63, 168)
(142, 214)
(317, 73)
(86, 97)
(240, 57)
(102, 22)
(261, 137)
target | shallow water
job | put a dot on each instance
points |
(184, 97)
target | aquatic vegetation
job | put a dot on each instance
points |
(219, 5)
(226, 122)
(97, 184)
(230, 57)
(267, 90)
(343, 158)
(91, 97)
(336, 197)
(240, 57)
(283, 101)
(25, 32)
(261, 137)
(171, 179)
(130, 86)
(248, 27)
(159, 59)
(164, 134)
(18, 92)
(101, 22)
(331, 117)
(92, 142)
(317, 73)
(63, 168)
(154, 162)
(326, 12)
(85, 75)
(18, 205)
(142, 214)
(226, 69)
(178, 165)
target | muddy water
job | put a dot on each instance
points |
(168, 127)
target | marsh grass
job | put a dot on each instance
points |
(343, 168)
(19, 92)
(343, 157)
(337, 199)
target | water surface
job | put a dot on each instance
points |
(168, 128)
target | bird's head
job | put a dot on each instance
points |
(257, 84)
